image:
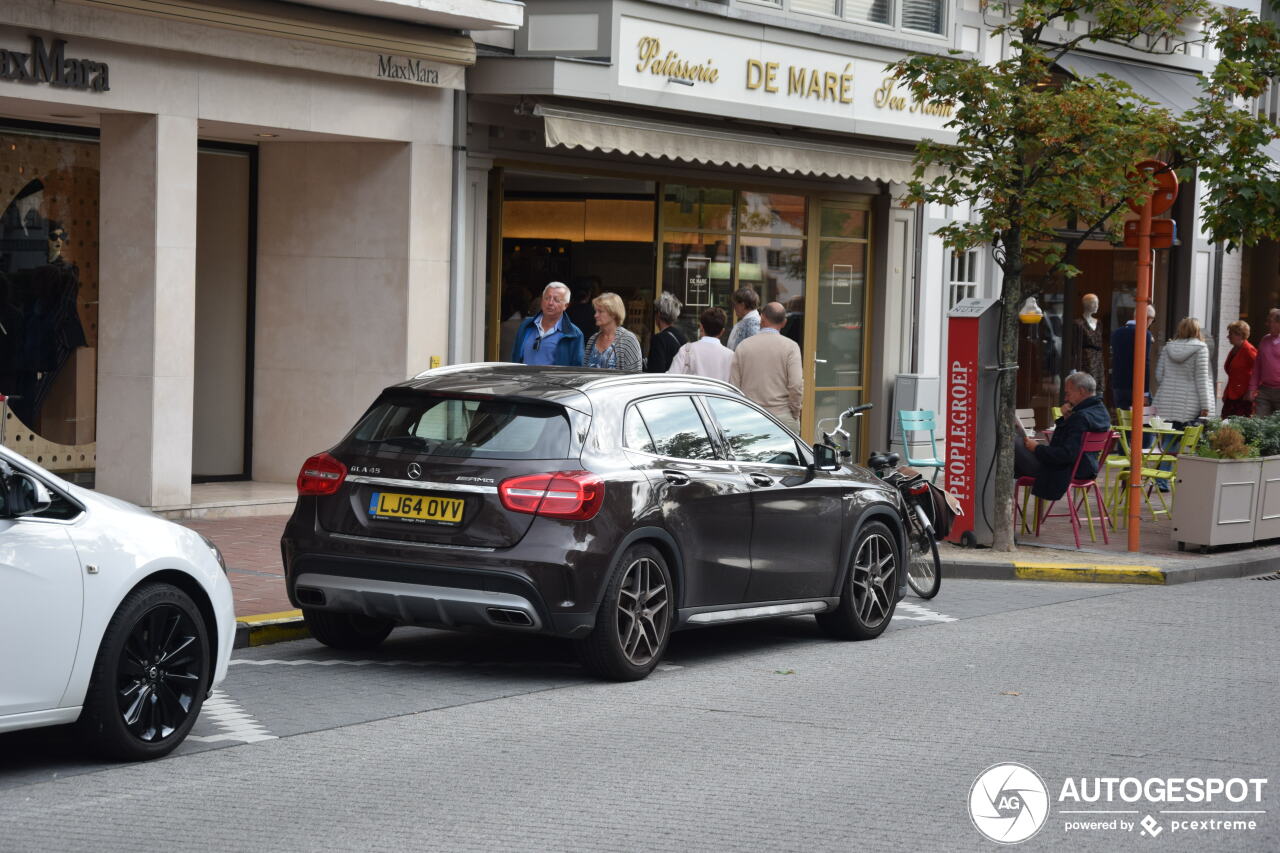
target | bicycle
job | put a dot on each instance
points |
(918, 511)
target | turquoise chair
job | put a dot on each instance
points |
(916, 421)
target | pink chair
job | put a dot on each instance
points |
(1093, 442)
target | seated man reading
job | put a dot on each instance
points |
(1051, 464)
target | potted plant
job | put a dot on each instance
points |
(1218, 497)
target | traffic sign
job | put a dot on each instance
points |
(1166, 191)
(1163, 233)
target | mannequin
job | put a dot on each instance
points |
(1087, 353)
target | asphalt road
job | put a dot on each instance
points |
(762, 736)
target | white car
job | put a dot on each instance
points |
(110, 617)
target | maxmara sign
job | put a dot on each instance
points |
(703, 64)
(50, 64)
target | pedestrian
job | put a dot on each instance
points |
(1264, 382)
(1239, 368)
(706, 356)
(581, 312)
(1186, 385)
(549, 337)
(612, 347)
(745, 302)
(1051, 464)
(766, 367)
(667, 342)
(1122, 362)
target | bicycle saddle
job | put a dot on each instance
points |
(883, 460)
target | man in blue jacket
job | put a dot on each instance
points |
(549, 337)
(1122, 362)
(1051, 464)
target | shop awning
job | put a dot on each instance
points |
(695, 144)
(1175, 90)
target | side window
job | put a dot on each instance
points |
(635, 433)
(676, 428)
(753, 437)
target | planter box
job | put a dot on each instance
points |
(1218, 500)
(1266, 520)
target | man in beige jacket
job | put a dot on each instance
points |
(766, 367)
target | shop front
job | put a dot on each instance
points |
(204, 209)
(735, 184)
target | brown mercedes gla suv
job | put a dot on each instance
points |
(605, 507)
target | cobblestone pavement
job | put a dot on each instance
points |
(753, 737)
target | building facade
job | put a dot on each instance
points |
(700, 147)
(221, 225)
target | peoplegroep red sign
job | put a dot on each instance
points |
(961, 418)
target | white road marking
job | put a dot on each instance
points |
(237, 725)
(916, 613)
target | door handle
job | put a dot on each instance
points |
(675, 478)
(761, 480)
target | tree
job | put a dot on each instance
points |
(1036, 149)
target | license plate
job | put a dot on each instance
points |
(416, 507)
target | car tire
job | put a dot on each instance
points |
(870, 591)
(150, 677)
(634, 622)
(347, 631)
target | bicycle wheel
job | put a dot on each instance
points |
(924, 574)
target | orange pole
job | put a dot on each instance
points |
(1139, 376)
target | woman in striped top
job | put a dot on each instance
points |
(612, 347)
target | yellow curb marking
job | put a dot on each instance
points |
(263, 635)
(266, 628)
(1088, 573)
(270, 617)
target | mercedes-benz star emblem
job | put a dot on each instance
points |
(415, 470)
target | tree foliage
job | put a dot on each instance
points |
(1037, 148)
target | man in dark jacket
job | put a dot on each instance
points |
(1122, 362)
(548, 337)
(1051, 464)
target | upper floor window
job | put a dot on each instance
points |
(963, 280)
(927, 16)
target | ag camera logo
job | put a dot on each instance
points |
(1008, 803)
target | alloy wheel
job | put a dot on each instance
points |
(159, 673)
(875, 580)
(643, 611)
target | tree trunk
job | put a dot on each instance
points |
(1007, 393)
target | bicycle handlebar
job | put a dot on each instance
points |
(856, 410)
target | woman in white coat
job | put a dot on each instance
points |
(1186, 385)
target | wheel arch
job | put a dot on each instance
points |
(667, 547)
(889, 516)
(196, 592)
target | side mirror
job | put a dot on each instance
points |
(26, 496)
(824, 458)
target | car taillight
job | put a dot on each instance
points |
(574, 495)
(321, 475)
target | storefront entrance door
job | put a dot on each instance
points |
(836, 315)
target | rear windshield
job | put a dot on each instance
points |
(485, 429)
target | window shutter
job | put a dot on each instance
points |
(922, 15)
(872, 11)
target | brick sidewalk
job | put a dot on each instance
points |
(251, 547)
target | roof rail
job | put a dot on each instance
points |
(632, 378)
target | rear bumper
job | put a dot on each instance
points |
(542, 586)
(418, 604)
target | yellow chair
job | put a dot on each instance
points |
(1151, 476)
